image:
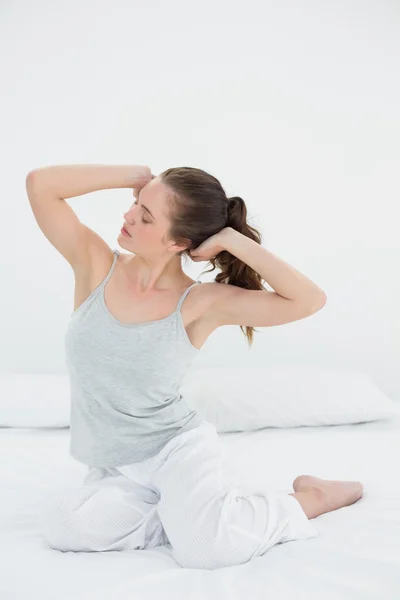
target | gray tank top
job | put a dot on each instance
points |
(124, 382)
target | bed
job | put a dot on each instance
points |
(355, 556)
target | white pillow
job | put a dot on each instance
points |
(34, 400)
(233, 399)
(251, 398)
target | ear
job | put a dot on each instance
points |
(181, 247)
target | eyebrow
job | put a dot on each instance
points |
(148, 210)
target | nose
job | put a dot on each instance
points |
(128, 214)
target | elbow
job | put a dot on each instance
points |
(319, 302)
(34, 178)
(30, 178)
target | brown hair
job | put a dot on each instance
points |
(199, 208)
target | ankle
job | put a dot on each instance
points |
(312, 500)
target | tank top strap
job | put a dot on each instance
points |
(110, 272)
(185, 293)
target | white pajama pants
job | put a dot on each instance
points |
(175, 497)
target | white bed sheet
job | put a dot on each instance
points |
(356, 555)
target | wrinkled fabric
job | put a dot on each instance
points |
(175, 498)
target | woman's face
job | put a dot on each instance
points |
(145, 220)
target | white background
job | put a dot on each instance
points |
(294, 106)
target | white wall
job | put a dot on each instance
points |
(292, 105)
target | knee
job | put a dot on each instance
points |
(62, 523)
(53, 524)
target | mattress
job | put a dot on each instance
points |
(356, 554)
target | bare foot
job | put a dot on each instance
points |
(336, 494)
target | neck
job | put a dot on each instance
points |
(150, 275)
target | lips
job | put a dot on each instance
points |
(124, 228)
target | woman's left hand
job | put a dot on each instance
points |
(210, 247)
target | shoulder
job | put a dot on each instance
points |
(216, 291)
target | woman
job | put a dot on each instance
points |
(154, 465)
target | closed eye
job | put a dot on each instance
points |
(143, 220)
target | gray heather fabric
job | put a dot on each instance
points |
(124, 382)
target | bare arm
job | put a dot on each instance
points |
(69, 181)
(295, 298)
(282, 277)
(47, 189)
